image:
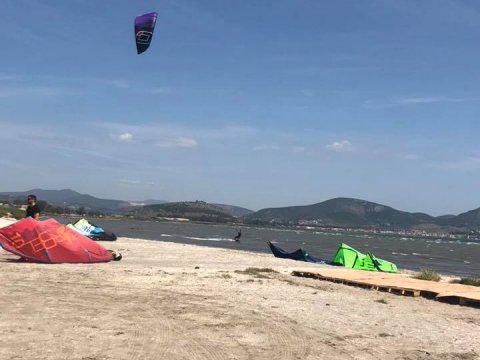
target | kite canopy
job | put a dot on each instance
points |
(299, 254)
(92, 231)
(351, 258)
(144, 27)
(51, 242)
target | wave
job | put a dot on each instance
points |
(451, 241)
(328, 233)
(396, 253)
(417, 254)
(207, 239)
(196, 238)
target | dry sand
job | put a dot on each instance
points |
(172, 301)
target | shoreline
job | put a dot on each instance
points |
(367, 230)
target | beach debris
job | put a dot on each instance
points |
(116, 256)
(259, 273)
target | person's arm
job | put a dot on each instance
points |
(36, 213)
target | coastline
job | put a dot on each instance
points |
(417, 233)
(178, 301)
(445, 277)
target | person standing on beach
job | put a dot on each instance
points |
(33, 210)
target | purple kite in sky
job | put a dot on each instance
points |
(144, 26)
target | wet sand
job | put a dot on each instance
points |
(176, 301)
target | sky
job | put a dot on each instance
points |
(252, 103)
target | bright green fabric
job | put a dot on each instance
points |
(383, 265)
(351, 258)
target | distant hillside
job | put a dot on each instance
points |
(68, 198)
(345, 212)
(51, 196)
(341, 212)
(235, 211)
(153, 202)
(469, 220)
(195, 210)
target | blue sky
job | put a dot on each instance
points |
(252, 103)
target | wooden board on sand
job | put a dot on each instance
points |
(400, 284)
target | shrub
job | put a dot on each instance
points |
(468, 281)
(428, 275)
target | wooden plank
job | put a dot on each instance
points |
(398, 284)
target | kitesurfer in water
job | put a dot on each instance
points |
(33, 210)
(238, 236)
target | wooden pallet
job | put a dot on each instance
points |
(398, 284)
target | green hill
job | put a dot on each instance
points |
(67, 198)
(341, 212)
(469, 220)
(235, 211)
(192, 210)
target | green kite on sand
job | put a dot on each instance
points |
(351, 258)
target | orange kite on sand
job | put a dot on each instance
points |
(50, 242)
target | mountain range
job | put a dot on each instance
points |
(192, 210)
(71, 198)
(347, 212)
(68, 198)
(344, 212)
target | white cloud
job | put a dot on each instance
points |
(307, 92)
(412, 100)
(124, 138)
(411, 157)
(121, 84)
(468, 164)
(10, 77)
(159, 90)
(299, 149)
(182, 142)
(427, 100)
(35, 91)
(231, 131)
(266, 148)
(151, 132)
(136, 182)
(341, 146)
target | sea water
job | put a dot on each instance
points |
(453, 257)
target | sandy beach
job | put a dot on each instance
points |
(175, 301)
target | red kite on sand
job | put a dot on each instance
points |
(50, 242)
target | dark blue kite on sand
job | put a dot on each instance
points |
(144, 27)
(299, 254)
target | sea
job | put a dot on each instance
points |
(447, 256)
